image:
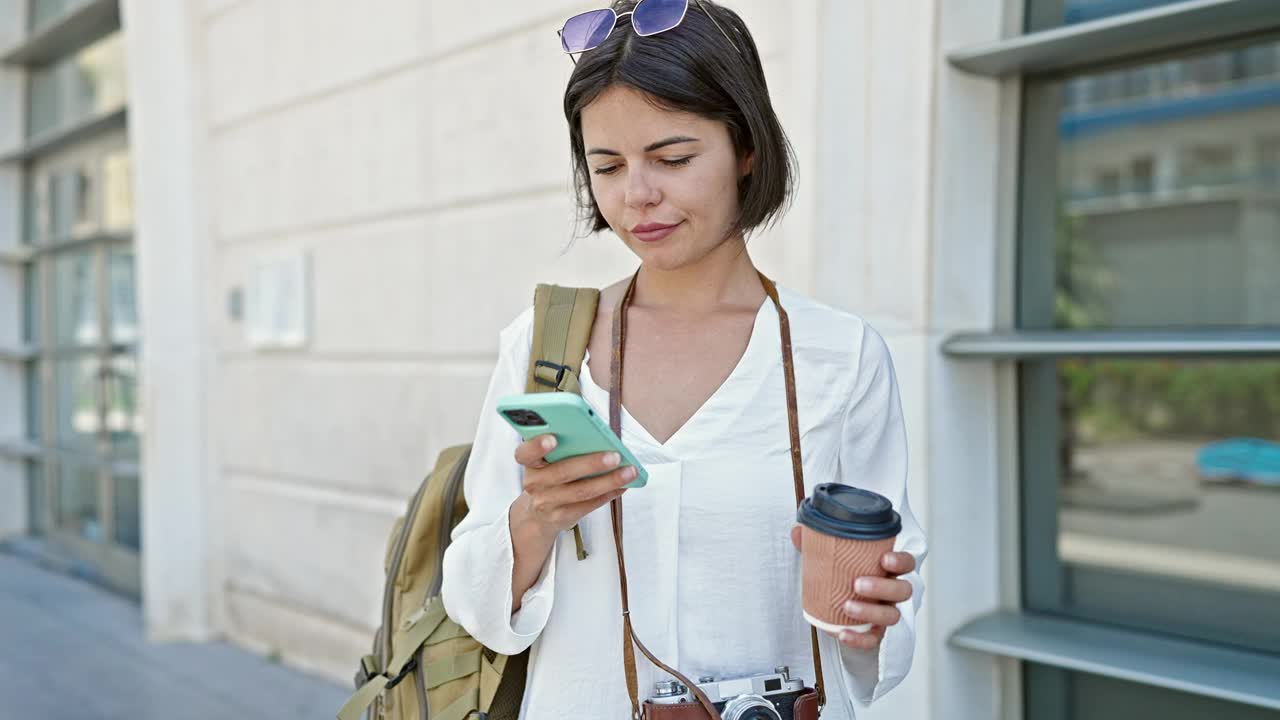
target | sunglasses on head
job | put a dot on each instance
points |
(588, 30)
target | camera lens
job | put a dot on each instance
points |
(525, 418)
(749, 707)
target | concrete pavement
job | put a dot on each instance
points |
(70, 651)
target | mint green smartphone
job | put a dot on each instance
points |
(578, 430)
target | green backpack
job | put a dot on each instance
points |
(424, 666)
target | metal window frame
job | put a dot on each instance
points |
(1047, 344)
(1029, 348)
(76, 28)
(84, 129)
(1218, 672)
(1112, 39)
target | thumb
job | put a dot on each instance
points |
(795, 536)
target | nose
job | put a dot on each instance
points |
(641, 191)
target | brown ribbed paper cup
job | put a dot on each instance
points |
(844, 532)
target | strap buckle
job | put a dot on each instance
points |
(404, 672)
(560, 370)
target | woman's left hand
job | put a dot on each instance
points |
(887, 590)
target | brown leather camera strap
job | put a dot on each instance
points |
(797, 470)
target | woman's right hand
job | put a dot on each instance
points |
(555, 494)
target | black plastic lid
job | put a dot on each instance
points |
(849, 512)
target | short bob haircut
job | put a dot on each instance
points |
(692, 68)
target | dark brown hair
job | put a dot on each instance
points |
(692, 68)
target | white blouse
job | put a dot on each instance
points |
(714, 579)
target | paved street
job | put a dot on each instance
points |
(69, 651)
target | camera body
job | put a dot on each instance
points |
(770, 696)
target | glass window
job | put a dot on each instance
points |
(31, 304)
(78, 509)
(78, 418)
(124, 411)
(75, 289)
(36, 497)
(1148, 201)
(46, 12)
(1169, 471)
(117, 191)
(1161, 195)
(126, 502)
(123, 309)
(44, 102)
(35, 405)
(1056, 694)
(66, 203)
(81, 197)
(1045, 14)
(90, 83)
(30, 211)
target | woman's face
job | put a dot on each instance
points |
(653, 168)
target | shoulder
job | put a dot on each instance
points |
(820, 330)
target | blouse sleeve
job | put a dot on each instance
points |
(478, 563)
(873, 455)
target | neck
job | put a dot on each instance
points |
(724, 278)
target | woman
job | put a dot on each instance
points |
(678, 151)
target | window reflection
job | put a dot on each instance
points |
(75, 290)
(1169, 193)
(1044, 14)
(124, 311)
(47, 12)
(78, 499)
(1172, 468)
(126, 503)
(123, 406)
(92, 82)
(117, 191)
(78, 420)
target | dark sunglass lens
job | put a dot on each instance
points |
(654, 16)
(585, 31)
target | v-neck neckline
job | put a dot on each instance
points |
(673, 445)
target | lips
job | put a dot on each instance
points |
(651, 227)
(653, 232)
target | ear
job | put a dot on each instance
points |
(746, 164)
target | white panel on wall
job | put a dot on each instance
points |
(277, 298)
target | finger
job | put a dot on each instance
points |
(869, 640)
(580, 491)
(532, 452)
(795, 537)
(873, 613)
(883, 589)
(898, 563)
(571, 514)
(581, 466)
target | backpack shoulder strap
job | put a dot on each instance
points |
(562, 321)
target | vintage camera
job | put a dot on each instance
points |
(760, 697)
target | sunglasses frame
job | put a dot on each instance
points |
(616, 17)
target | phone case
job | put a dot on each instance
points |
(578, 429)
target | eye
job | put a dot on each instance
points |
(678, 162)
(606, 170)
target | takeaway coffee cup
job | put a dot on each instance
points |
(845, 531)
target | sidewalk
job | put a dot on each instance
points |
(69, 651)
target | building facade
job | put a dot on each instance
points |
(235, 236)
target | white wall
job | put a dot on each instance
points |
(179, 501)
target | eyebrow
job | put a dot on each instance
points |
(649, 148)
